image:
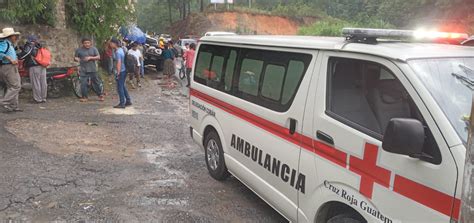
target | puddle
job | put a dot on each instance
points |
(166, 183)
(160, 158)
(116, 111)
(156, 201)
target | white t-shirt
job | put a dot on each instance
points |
(137, 54)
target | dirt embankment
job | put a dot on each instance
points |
(239, 22)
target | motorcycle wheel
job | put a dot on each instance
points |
(76, 86)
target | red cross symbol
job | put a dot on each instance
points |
(368, 170)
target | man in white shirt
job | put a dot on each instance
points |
(139, 57)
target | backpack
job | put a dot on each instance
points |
(6, 50)
(130, 63)
(43, 57)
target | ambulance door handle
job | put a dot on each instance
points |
(292, 128)
(325, 137)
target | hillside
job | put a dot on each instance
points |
(239, 22)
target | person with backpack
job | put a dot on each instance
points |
(87, 55)
(37, 71)
(136, 63)
(121, 74)
(9, 70)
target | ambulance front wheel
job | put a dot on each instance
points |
(215, 157)
(345, 218)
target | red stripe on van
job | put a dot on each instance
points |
(429, 197)
(269, 126)
(424, 195)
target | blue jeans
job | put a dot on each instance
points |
(122, 89)
(142, 68)
(85, 83)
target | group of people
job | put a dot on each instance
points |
(171, 52)
(134, 60)
(87, 55)
(9, 74)
(123, 58)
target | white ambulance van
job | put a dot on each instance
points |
(354, 129)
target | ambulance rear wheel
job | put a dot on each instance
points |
(215, 157)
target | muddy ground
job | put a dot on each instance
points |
(87, 162)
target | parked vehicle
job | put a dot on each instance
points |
(57, 79)
(220, 34)
(152, 55)
(182, 43)
(167, 37)
(468, 42)
(328, 129)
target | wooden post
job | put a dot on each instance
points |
(467, 199)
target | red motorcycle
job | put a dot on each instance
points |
(57, 77)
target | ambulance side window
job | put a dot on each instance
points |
(366, 96)
(215, 67)
(268, 78)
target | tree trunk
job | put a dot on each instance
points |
(467, 199)
(184, 9)
(201, 9)
(169, 12)
(189, 6)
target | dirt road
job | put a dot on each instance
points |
(71, 161)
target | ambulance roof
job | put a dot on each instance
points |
(393, 49)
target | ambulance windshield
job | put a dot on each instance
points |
(450, 82)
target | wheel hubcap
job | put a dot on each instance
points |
(212, 154)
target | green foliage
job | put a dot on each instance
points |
(298, 9)
(29, 12)
(155, 15)
(152, 15)
(100, 19)
(333, 27)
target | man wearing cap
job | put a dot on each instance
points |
(39, 84)
(9, 69)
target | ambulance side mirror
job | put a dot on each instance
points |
(404, 136)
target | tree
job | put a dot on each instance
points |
(169, 12)
(99, 18)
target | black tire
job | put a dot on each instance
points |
(76, 86)
(345, 218)
(215, 157)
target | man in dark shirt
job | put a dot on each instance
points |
(37, 72)
(87, 55)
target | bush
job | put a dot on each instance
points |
(29, 11)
